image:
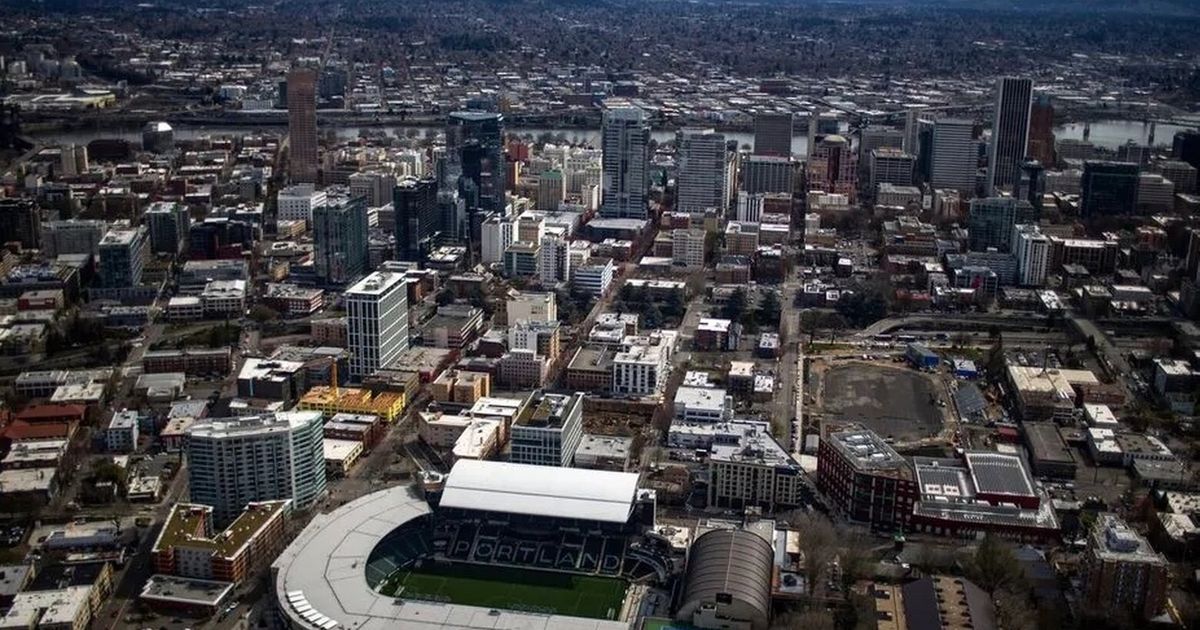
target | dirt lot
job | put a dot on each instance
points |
(895, 402)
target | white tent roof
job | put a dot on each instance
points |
(579, 493)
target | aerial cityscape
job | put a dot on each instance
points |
(610, 315)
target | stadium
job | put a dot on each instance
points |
(492, 545)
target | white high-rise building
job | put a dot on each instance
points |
(955, 155)
(625, 181)
(495, 235)
(234, 461)
(296, 203)
(687, 247)
(376, 322)
(700, 183)
(641, 369)
(554, 263)
(1032, 249)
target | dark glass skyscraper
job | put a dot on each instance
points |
(340, 250)
(415, 202)
(1185, 146)
(1108, 188)
(1010, 132)
(475, 159)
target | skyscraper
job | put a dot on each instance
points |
(1032, 249)
(1031, 185)
(340, 252)
(1041, 130)
(773, 134)
(1108, 188)
(625, 180)
(415, 204)
(1185, 146)
(833, 167)
(955, 156)
(1010, 132)
(20, 221)
(475, 160)
(234, 461)
(376, 322)
(766, 174)
(302, 125)
(700, 182)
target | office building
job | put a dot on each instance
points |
(955, 157)
(890, 166)
(376, 322)
(766, 174)
(1182, 173)
(820, 125)
(376, 187)
(475, 161)
(990, 222)
(415, 204)
(302, 125)
(625, 176)
(1121, 574)
(687, 247)
(1041, 130)
(1032, 249)
(296, 202)
(552, 189)
(1031, 185)
(595, 276)
(700, 182)
(1155, 193)
(1010, 133)
(833, 167)
(168, 223)
(233, 462)
(340, 253)
(550, 435)
(773, 134)
(1185, 146)
(73, 236)
(872, 138)
(20, 222)
(1108, 188)
(122, 257)
(540, 307)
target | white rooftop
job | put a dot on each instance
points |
(595, 495)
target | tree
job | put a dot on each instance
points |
(864, 307)
(994, 566)
(769, 309)
(262, 313)
(735, 305)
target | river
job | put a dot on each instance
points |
(1108, 134)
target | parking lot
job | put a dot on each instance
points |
(895, 402)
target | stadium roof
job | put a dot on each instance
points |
(596, 495)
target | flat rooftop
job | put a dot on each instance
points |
(867, 450)
(186, 517)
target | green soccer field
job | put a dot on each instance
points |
(510, 589)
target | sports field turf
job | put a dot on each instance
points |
(510, 589)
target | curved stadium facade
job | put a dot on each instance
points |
(503, 547)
